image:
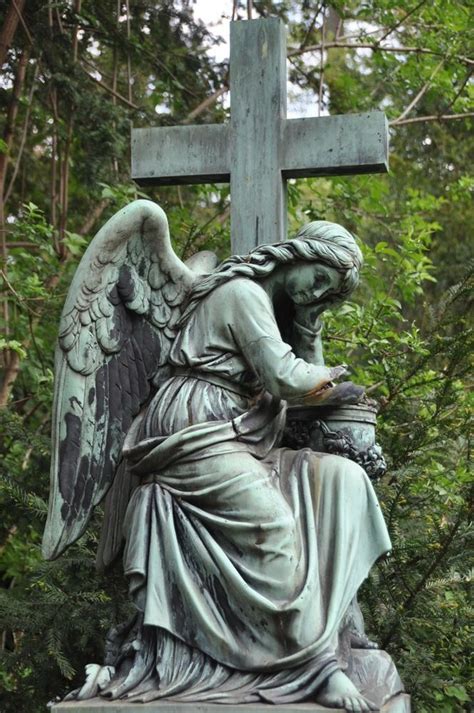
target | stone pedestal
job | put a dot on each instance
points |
(399, 704)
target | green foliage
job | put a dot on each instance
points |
(406, 334)
(417, 602)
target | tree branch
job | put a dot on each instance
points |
(432, 117)
(205, 104)
(129, 64)
(8, 356)
(410, 600)
(108, 89)
(93, 217)
(311, 26)
(21, 19)
(421, 93)
(460, 90)
(10, 375)
(400, 22)
(376, 48)
(23, 244)
(10, 24)
(23, 135)
(321, 62)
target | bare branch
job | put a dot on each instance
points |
(209, 101)
(20, 300)
(461, 88)
(421, 93)
(11, 114)
(10, 24)
(377, 48)
(8, 135)
(93, 217)
(400, 22)
(129, 64)
(23, 244)
(109, 89)
(10, 375)
(23, 136)
(311, 26)
(60, 22)
(75, 31)
(64, 180)
(432, 117)
(357, 35)
(54, 156)
(321, 62)
(22, 21)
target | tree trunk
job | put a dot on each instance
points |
(7, 33)
(10, 358)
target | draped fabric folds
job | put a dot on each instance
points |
(242, 557)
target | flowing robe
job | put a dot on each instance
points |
(242, 556)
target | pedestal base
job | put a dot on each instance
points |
(399, 704)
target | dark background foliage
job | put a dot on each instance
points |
(76, 75)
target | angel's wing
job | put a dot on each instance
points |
(114, 336)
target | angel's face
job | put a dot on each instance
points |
(308, 284)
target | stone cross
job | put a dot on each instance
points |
(260, 148)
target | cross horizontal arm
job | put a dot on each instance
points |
(171, 155)
(335, 145)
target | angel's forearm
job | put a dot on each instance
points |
(307, 341)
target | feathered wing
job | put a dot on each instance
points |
(115, 335)
(118, 496)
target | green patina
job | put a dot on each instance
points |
(243, 558)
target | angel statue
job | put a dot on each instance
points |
(172, 380)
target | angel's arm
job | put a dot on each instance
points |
(307, 336)
(256, 332)
(280, 371)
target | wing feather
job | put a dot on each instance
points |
(114, 336)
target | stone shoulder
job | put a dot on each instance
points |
(242, 288)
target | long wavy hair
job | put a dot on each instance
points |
(320, 241)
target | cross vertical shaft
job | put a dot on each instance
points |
(258, 106)
(259, 149)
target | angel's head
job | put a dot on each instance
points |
(319, 266)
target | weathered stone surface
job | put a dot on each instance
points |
(333, 145)
(400, 704)
(260, 148)
(220, 617)
(374, 674)
(348, 431)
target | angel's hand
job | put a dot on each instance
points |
(336, 394)
(338, 371)
(308, 316)
(306, 338)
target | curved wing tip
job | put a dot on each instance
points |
(50, 553)
(53, 547)
(146, 204)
